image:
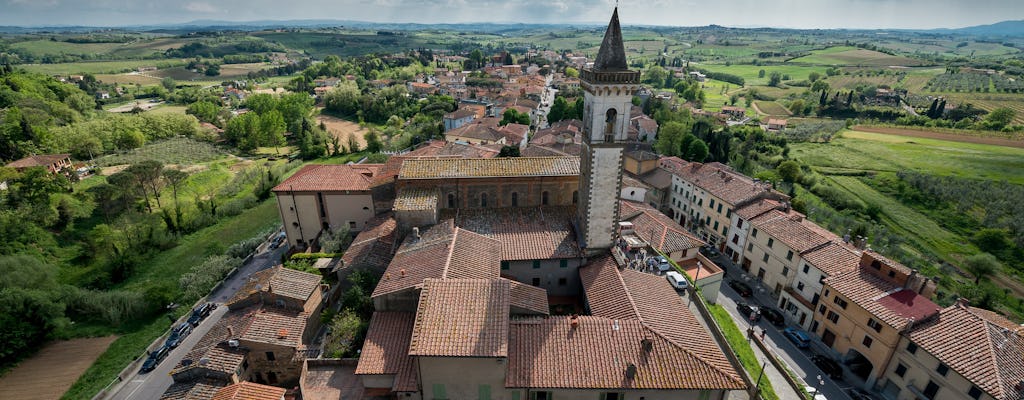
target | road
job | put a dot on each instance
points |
(153, 384)
(797, 359)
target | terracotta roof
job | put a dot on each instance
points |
(672, 164)
(447, 168)
(250, 391)
(386, 349)
(210, 352)
(514, 133)
(867, 254)
(527, 299)
(792, 229)
(203, 389)
(373, 246)
(330, 178)
(275, 326)
(833, 258)
(887, 301)
(722, 182)
(758, 207)
(570, 130)
(658, 178)
(417, 199)
(657, 228)
(460, 114)
(550, 353)
(606, 293)
(41, 160)
(483, 129)
(525, 233)
(462, 318)
(553, 150)
(629, 181)
(282, 281)
(442, 252)
(981, 346)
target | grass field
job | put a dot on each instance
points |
(343, 129)
(992, 101)
(750, 72)
(170, 151)
(852, 56)
(99, 67)
(772, 108)
(51, 371)
(863, 151)
(737, 340)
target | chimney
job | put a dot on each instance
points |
(231, 331)
(963, 302)
(574, 321)
(631, 371)
(283, 333)
(647, 345)
(402, 272)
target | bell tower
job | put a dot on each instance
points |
(608, 87)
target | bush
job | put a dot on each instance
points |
(200, 279)
(113, 307)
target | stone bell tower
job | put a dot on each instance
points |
(608, 87)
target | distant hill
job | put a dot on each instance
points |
(1005, 28)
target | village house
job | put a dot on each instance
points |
(776, 125)
(325, 197)
(458, 118)
(55, 163)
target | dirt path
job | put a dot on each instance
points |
(342, 129)
(49, 373)
(940, 136)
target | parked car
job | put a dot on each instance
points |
(750, 312)
(155, 358)
(774, 316)
(677, 280)
(278, 240)
(799, 337)
(709, 250)
(663, 265)
(200, 313)
(741, 288)
(828, 366)
(178, 334)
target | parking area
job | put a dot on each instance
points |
(752, 307)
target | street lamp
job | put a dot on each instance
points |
(757, 386)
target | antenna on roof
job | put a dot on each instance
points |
(615, 325)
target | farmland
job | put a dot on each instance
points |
(771, 108)
(99, 67)
(49, 373)
(181, 151)
(851, 56)
(750, 73)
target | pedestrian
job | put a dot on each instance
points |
(762, 334)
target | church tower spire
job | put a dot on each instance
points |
(608, 89)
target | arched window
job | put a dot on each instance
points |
(544, 198)
(575, 197)
(609, 125)
(483, 199)
(451, 200)
(515, 199)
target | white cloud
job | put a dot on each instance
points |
(200, 7)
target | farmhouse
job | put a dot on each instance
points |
(55, 163)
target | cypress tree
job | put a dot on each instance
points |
(849, 99)
(931, 110)
(824, 98)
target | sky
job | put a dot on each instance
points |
(825, 14)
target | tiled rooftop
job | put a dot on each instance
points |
(462, 318)
(442, 252)
(275, 326)
(886, 300)
(330, 178)
(833, 258)
(373, 245)
(210, 349)
(534, 233)
(527, 298)
(203, 389)
(722, 182)
(982, 346)
(386, 349)
(606, 293)
(249, 391)
(756, 208)
(792, 229)
(417, 199)
(550, 353)
(447, 168)
(282, 281)
(657, 228)
(41, 160)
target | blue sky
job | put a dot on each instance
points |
(777, 13)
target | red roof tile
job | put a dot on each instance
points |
(330, 178)
(605, 292)
(657, 228)
(527, 299)
(42, 160)
(386, 349)
(550, 353)
(462, 318)
(275, 326)
(889, 302)
(373, 246)
(456, 168)
(249, 391)
(980, 345)
(535, 233)
(281, 281)
(833, 258)
(203, 389)
(722, 182)
(792, 229)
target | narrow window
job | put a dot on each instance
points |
(536, 264)
(270, 356)
(544, 198)
(867, 341)
(515, 199)
(483, 199)
(609, 125)
(900, 370)
(451, 200)
(575, 197)
(770, 242)
(789, 255)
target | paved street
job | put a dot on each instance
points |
(153, 384)
(796, 359)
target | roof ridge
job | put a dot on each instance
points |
(451, 251)
(629, 294)
(991, 346)
(733, 378)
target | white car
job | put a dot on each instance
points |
(677, 280)
(817, 394)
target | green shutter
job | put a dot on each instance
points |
(485, 392)
(515, 395)
(563, 263)
(536, 264)
(439, 392)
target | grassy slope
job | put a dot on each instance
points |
(98, 67)
(738, 341)
(166, 267)
(750, 72)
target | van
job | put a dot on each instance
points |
(677, 280)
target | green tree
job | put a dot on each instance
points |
(30, 309)
(999, 118)
(203, 110)
(213, 70)
(697, 151)
(511, 116)
(797, 107)
(572, 72)
(670, 138)
(774, 79)
(813, 77)
(169, 84)
(373, 143)
(272, 129)
(733, 98)
(655, 76)
(509, 151)
(981, 265)
(789, 171)
(760, 73)
(260, 103)
(558, 110)
(992, 240)
(243, 131)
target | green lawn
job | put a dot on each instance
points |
(750, 72)
(865, 151)
(99, 67)
(845, 55)
(738, 341)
